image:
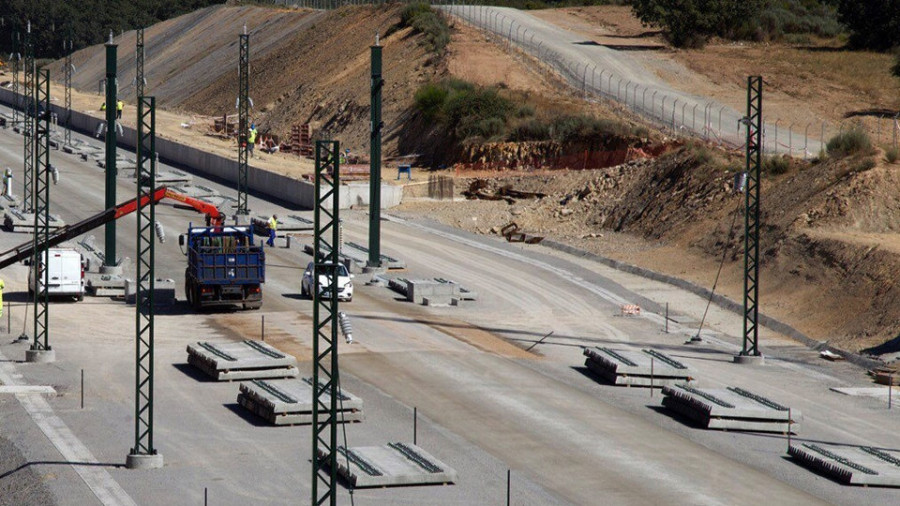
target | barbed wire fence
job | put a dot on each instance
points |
(676, 113)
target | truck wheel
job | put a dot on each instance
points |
(303, 292)
(80, 297)
(195, 300)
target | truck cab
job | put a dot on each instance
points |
(65, 274)
(224, 267)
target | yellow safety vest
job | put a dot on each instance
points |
(252, 137)
(273, 223)
(103, 107)
(120, 105)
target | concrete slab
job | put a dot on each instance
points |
(851, 465)
(163, 292)
(391, 465)
(637, 368)
(241, 360)
(17, 221)
(730, 408)
(8, 201)
(27, 389)
(104, 285)
(290, 401)
(195, 190)
(387, 262)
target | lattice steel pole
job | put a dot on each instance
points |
(28, 126)
(67, 47)
(144, 455)
(16, 58)
(139, 66)
(40, 349)
(325, 324)
(243, 120)
(750, 350)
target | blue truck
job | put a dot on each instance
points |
(225, 267)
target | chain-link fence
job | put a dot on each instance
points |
(601, 73)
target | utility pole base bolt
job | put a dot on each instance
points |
(751, 360)
(136, 461)
(40, 356)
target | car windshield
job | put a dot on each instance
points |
(342, 269)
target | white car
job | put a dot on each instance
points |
(345, 286)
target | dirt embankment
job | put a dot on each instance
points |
(829, 253)
(305, 67)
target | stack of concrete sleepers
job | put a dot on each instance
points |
(241, 360)
(394, 464)
(730, 408)
(636, 368)
(852, 465)
(290, 401)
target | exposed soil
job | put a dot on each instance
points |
(828, 240)
(804, 84)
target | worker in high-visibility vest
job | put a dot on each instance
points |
(251, 139)
(120, 106)
(103, 106)
(273, 226)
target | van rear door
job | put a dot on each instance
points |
(70, 278)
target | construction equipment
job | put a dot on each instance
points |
(225, 267)
(23, 251)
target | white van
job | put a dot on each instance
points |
(66, 274)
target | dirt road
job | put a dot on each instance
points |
(614, 73)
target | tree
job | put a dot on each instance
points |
(873, 24)
(690, 23)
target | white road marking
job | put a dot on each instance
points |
(107, 490)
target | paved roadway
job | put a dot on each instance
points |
(484, 404)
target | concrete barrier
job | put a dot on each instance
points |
(294, 191)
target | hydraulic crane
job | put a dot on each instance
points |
(214, 218)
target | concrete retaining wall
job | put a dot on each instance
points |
(294, 191)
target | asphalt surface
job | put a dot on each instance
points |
(485, 405)
(615, 74)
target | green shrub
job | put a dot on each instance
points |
(430, 99)
(525, 111)
(465, 110)
(699, 152)
(864, 165)
(532, 130)
(776, 165)
(580, 127)
(891, 154)
(850, 142)
(428, 22)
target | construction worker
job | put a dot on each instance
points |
(7, 182)
(273, 226)
(103, 106)
(251, 139)
(120, 106)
